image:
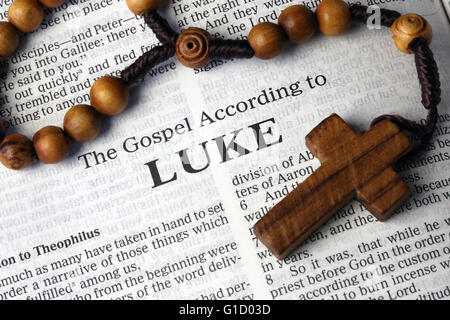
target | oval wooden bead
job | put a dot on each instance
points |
(109, 95)
(299, 23)
(407, 28)
(52, 144)
(334, 17)
(52, 3)
(26, 15)
(267, 39)
(9, 39)
(16, 152)
(140, 7)
(192, 47)
(82, 123)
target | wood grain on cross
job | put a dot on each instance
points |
(354, 165)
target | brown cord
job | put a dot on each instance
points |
(160, 28)
(427, 72)
(359, 14)
(219, 49)
(230, 49)
(430, 85)
(136, 71)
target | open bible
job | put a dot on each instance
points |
(163, 203)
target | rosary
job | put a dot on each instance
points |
(353, 164)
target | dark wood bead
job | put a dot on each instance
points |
(82, 123)
(299, 23)
(16, 152)
(334, 17)
(267, 40)
(109, 95)
(192, 47)
(9, 39)
(26, 15)
(52, 144)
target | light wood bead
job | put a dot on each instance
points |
(16, 152)
(140, 7)
(9, 39)
(334, 17)
(299, 23)
(267, 39)
(52, 3)
(52, 144)
(26, 15)
(407, 28)
(109, 95)
(192, 47)
(82, 123)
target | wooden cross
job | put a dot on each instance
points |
(354, 165)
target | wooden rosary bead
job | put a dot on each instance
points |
(16, 152)
(26, 15)
(52, 144)
(407, 28)
(52, 3)
(192, 47)
(9, 39)
(109, 95)
(299, 23)
(140, 7)
(82, 123)
(267, 40)
(334, 17)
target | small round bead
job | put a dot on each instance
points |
(407, 28)
(26, 15)
(9, 39)
(52, 145)
(140, 7)
(52, 3)
(109, 95)
(299, 23)
(16, 152)
(267, 40)
(82, 123)
(192, 47)
(334, 17)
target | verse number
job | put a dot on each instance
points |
(243, 205)
(256, 241)
(269, 279)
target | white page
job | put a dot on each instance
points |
(44, 205)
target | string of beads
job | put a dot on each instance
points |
(194, 48)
